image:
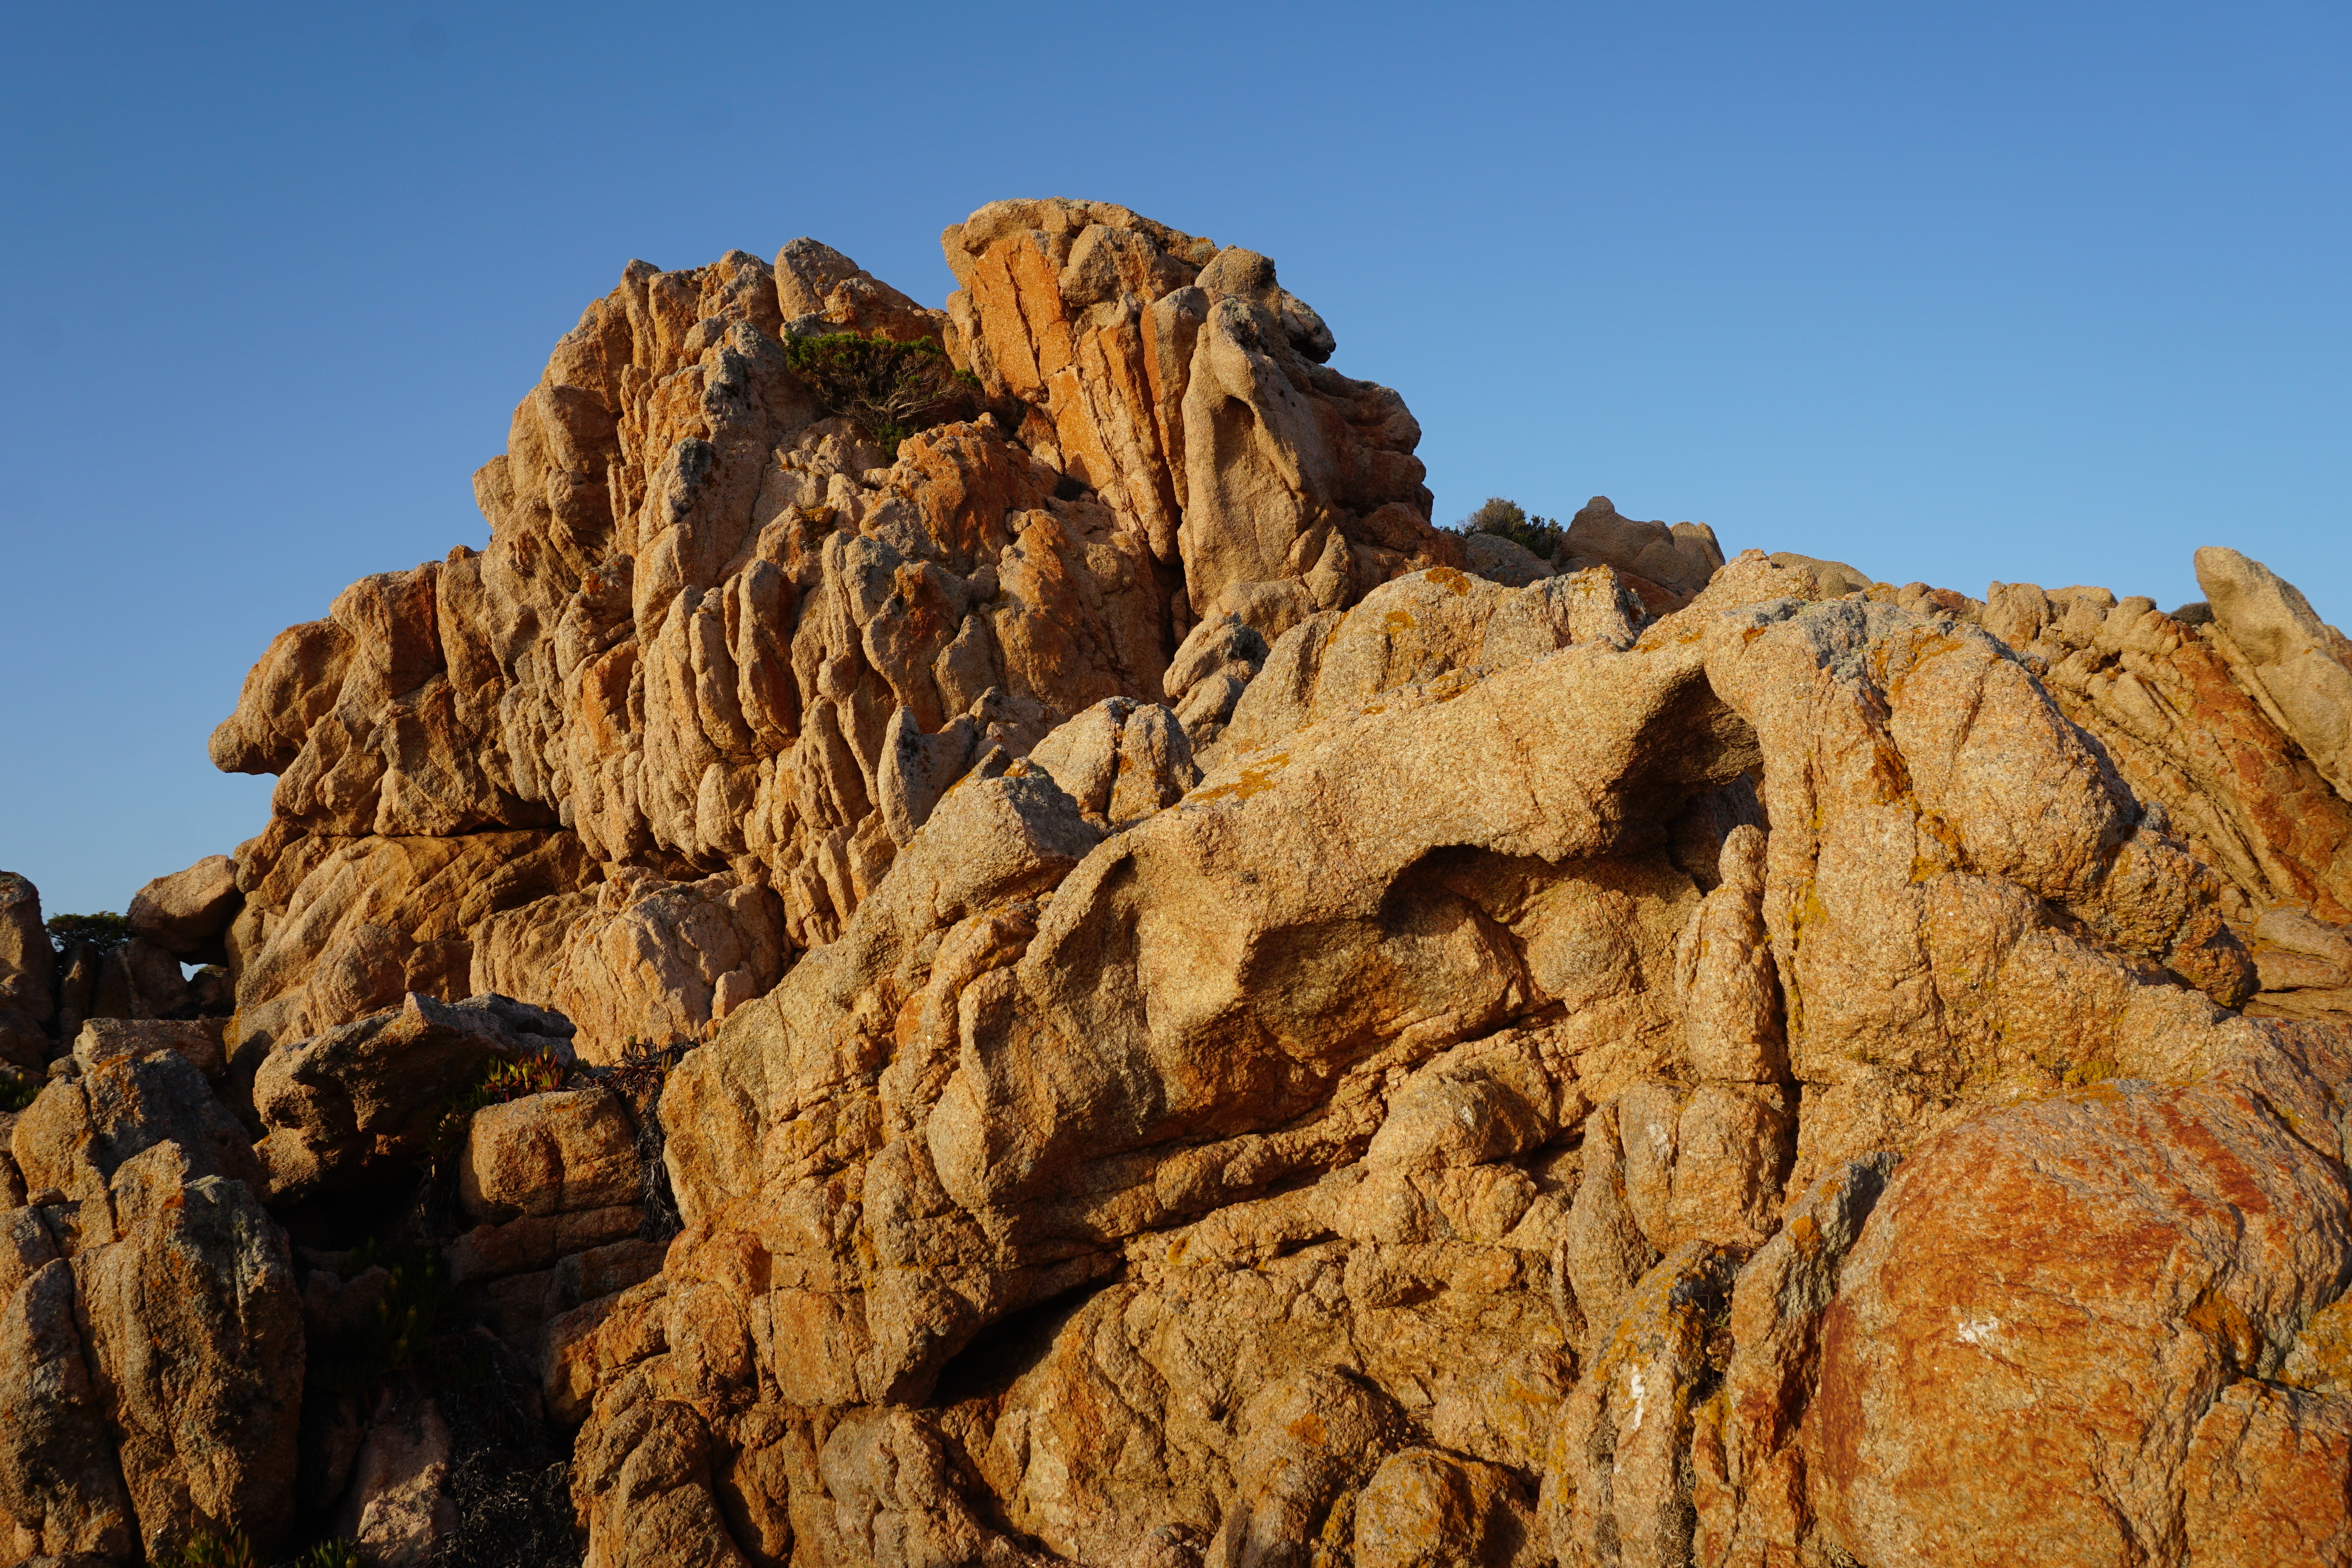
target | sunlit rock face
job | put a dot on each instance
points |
(1092, 989)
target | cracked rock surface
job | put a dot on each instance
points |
(1092, 989)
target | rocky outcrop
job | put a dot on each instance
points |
(176, 1372)
(28, 976)
(2297, 667)
(1189, 388)
(188, 912)
(1091, 990)
(334, 929)
(365, 1097)
(2137, 1256)
(153, 1338)
(1502, 1066)
(26, 959)
(716, 635)
(638, 958)
(2161, 696)
(1665, 566)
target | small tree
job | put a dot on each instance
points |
(1507, 519)
(1498, 516)
(888, 389)
(105, 930)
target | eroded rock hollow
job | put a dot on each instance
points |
(1083, 986)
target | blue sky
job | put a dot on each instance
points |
(2050, 292)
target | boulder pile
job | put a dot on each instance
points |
(1083, 986)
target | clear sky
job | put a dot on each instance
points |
(2047, 292)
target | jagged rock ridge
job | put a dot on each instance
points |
(1221, 1035)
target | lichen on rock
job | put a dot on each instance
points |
(1094, 990)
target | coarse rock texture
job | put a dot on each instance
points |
(1187, 386)
(2194, 736)
(1664, 565)
(28, 978)
(198, 1039)
(367, 1096)
(2125, 1255)
(2295, 664)
(334, 929)
(1477, 1140)
(27, 962)
(151, 1342)
(188, 912)
(637, 958)
(1092, 991)
(549, 1154)
(725, 652)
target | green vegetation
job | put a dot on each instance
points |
(503, 1080)
(18, 1089)
(643, 1070)
(889, 390)
(207, 1549)
(1504, 518)
(417, 1308)
(105, 930)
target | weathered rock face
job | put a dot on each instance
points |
(2190, 736)
(365, 1097)
(187, 912)
(1185, 384)
(1477, 1141)
(26, 959)
(335, 929)
(28, 976)
(1664, 565)
(152, 1337)
(2297, 667)
(717, 636)
(637, 957)
(2126, 1254)
(1215, 1035)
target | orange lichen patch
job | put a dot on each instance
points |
(1896, 662)
(1452, 685)
(1449, 577)
(2224, 1322)
(2323, 1351)
(1254, 781)
(1938, 834)
(1396, 621)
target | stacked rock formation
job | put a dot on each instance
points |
(721, 657)
(1228, 1026)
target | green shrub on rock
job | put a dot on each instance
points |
(890, 390)
(105, 930)
(1505, 518)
